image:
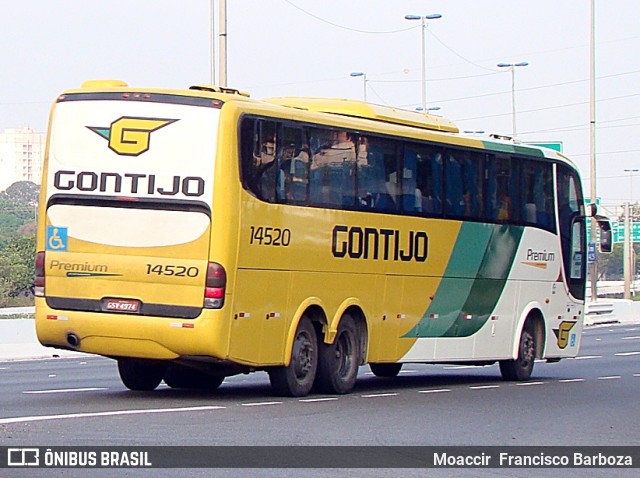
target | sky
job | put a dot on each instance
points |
(310, 47)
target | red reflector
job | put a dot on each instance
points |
(188, 326)
(52, 317)
(214, 292)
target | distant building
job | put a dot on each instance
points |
(21, 153)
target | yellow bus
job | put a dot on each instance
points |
(196, 234)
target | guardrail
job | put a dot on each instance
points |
(600, 313)
(19, 312)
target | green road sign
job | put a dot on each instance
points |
(617, 230)
(555, 145)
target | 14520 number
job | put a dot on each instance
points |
(169, 270)
(270, 236)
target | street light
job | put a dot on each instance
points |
(364, 77)
(512, 67)
(423, 27)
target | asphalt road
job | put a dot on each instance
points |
(590, 400)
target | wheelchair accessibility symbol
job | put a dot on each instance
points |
(56, 238)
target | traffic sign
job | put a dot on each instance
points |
(591, 252)
(555, 145)
(618, 233)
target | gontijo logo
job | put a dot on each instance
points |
(130, 136)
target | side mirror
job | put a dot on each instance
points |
(606, 239)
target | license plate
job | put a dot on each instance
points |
(121, 305)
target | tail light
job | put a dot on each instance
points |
(215, 286)
(38, 283)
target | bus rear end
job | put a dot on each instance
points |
(122, 265)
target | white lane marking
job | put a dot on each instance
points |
(609, 377)
(311, 400)
(586, 357)
(52, 375)
(437, 390)
(376, 395)
(484, 387)
(636, 337)
(259, 404)
(571, 380)
(65, 390)
(626, 354)
(526, 384)
(636, 374)
(39, 418)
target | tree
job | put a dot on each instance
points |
(22, 192)
(18, 204)
(17, 260)
(611, 266)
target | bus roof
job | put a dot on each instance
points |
(337, 106)
(360, 109)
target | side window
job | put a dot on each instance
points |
(392, 194)
(370, 173)
(428, 174)
(501, 198)
(294, 156)
(463, 184)
(379, 176)
(332, 169)
(572, 229)
(258, 140)
(537, 195)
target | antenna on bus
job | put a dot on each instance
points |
(219, 89)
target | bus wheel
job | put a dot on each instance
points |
(184, 377)
(296, 379)
(385, 369)
(140, 374)
(338, 362)
(520, 369)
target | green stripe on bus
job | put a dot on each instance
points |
(473, 282)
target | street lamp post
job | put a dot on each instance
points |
(631, 173)
(364, 82)
(627, 251)
(512, 67)
(423, 27)
(593, 267)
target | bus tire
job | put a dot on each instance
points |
(188, 378)
(338, 362)
(140, 375)
(387, 370)
(296, 379)
(521, 368)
